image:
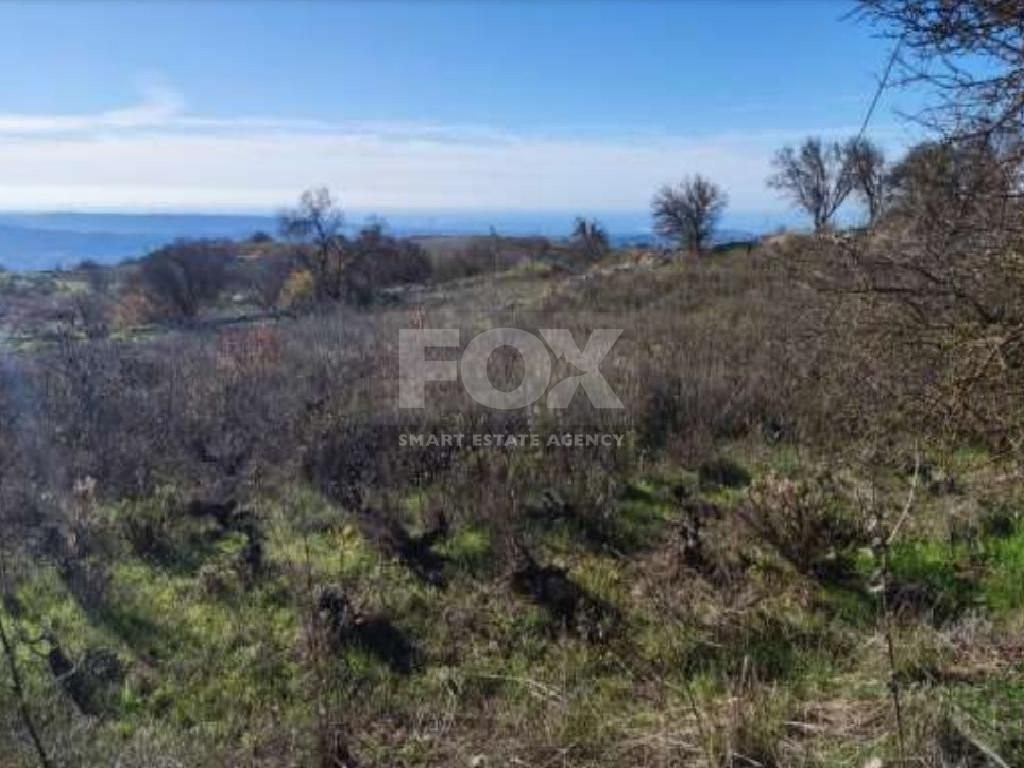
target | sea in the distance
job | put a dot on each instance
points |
(39, 241)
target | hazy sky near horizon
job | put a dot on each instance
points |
(576, 105)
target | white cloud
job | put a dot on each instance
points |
(156, 156)
(159, 106)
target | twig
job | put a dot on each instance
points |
(985, 750)
(894, 688)
(909, 503)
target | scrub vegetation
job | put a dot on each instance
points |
(806, 550)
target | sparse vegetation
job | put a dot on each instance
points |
(730, 561)
(807, 549)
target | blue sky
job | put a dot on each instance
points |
(576, 105)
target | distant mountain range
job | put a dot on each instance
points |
(36, 241)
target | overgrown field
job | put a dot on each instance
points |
(212, 556)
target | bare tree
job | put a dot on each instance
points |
(935, 291)
(866, 163)
(690, 212)
(817, 178)
(590, 238)
(969, 52)
(317, 222)
(185, 275)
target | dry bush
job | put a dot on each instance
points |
(185, 276)
(921, 320)
(482, 255)
(717, 354)
(379, 261)
(297, 290)
(132, 309)
(808, 522)
(942, 276)
(216, 410)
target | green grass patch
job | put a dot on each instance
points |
(1003, 584)
(933, 576)
(470, 548)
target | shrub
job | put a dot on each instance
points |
(379, 261)
(298, 290)
(183, 277)
(807, 523)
